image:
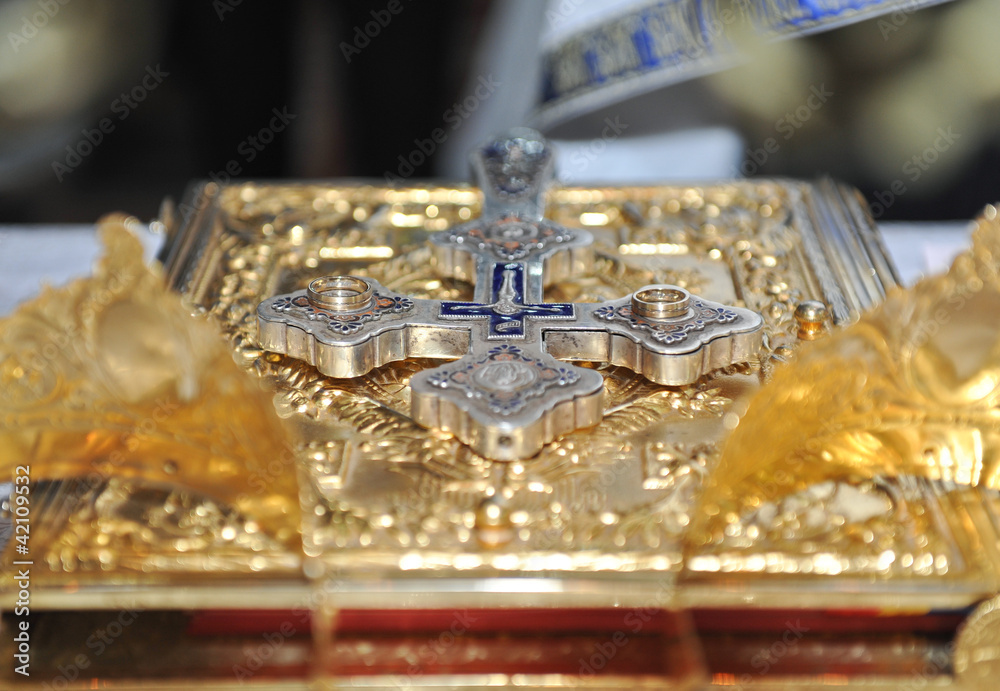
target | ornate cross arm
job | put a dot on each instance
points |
(674, 349)
(509, 392)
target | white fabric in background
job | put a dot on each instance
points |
(32, 255)
(696, 155)
(924, 249)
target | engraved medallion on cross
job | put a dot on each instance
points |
(509, 390)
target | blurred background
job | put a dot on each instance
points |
(114, 104)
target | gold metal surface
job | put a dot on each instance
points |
(907, 398)
(397, 516)
(812, 317)
(146, 447)
(390, 498)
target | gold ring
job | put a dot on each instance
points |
(340, 293)
(661, 302)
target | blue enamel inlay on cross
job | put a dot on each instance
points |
(507, 313)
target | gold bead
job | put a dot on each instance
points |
(493, 527)
(811, 316)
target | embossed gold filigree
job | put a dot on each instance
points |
(910, 391)
(617, 504)
(607, 492)
(383, 492)
(148, 448)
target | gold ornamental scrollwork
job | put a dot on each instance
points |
(623, 489)
(148, 448)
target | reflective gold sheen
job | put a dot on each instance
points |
(910, 391)
(398, 516)
(152, 453)
(601, 517)
(385, 496)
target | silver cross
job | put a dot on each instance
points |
(509, 392)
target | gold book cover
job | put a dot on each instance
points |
(671, 436)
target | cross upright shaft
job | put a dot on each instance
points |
(513, 173)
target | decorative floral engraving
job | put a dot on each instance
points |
(347, 323)
(510, 239)
(674, 331)
(505, 379)
(558, 507)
